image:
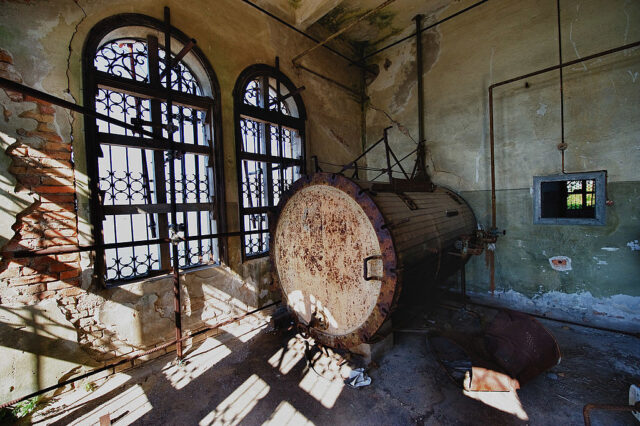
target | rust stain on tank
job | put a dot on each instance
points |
(328, 225)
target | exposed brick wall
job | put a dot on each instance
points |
(42, 164)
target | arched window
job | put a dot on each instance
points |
(133, 176)
(269, 148)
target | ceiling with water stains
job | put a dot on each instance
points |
(322, 18)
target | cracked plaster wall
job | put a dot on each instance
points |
(76, 333)
(503, 39)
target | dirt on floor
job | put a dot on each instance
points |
(253, 374)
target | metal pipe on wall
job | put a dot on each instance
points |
(562, 146)
(420, 169)
(522, 77)
(492, 134)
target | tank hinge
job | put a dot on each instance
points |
(408, 201)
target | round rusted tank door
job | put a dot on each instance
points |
(334, 259)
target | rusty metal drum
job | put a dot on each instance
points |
(341, 252)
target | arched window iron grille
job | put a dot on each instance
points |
(130, 172)
(270, 149)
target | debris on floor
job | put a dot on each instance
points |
(358, 378)
(513, 349)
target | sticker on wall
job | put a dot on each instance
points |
(560, 263)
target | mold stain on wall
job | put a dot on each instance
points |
(99, 324)
(500, 40)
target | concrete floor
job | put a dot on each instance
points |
(251, 374)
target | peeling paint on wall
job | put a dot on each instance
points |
(560, 263)
(600, 262)
(633, 245)
(619, 311)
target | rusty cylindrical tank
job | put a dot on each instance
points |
(341, 253)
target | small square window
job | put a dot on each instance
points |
(569, 199)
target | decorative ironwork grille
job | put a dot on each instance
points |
(133, 174)
(270, 149)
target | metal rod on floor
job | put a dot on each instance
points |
(134, 357)
(341, 30)
(586, 411)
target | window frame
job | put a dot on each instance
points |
(600, 178)
(241, 110)
(94, 80)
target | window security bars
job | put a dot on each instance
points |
(133, 170)
(270, 128)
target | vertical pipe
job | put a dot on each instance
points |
(363, 109)
(563, 145)
(420, 168)
(490, 254)
(172, 177)
(493, 162)
(419, 77)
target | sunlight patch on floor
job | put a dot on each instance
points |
(286, 414)
(213, 351)
(326, 380)
(245, 330)
(125, 408)
(503, 401)
(285, 360)
(236, 406)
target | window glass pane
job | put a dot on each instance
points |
(282, 178)
(129, 262)
(193, 179)
(125, 58)
(252, 94)
(254, 184)
(264, 179)
(252, 139)
(122, 107)
(126, 174)
(256, 243)
(568, 199)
